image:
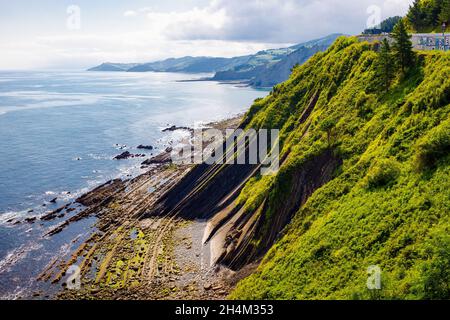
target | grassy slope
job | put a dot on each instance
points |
(389, 204)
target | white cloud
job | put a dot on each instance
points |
(221, 28)
(130, 13)
(80, 51)
(272, 20)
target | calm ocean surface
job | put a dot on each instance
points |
(59, 132)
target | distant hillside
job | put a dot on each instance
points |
(184, 64)
(270, 67)
(189, 65)
(265, 68)
(108, 66)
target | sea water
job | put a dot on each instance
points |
(59, 133)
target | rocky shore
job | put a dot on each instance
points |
(134, 252)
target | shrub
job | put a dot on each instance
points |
(327, 126)
(383, 172)
(434, 277)
(433, 146)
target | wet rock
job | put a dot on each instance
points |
(127, 155)
(101, 193)
(175, 128)
(145, 147)
(162, 158)
(30, 220)
(52, 215)
(123, 156)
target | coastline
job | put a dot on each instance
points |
(130, 255)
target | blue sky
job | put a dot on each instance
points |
(41, 34)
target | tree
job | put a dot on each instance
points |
(433, 8)
(328, 126)
(385, 65)
(402, 47)
(444, 15)
(385, 26)
(416, 16)
(389, 24)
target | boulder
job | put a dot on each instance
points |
(145, 147)
(123, 156)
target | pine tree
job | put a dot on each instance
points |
(433, 10)
(402, 47)
(385, 65)
(415, 15)
(444, 15)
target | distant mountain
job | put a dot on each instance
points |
(190, 64)
(108, 66)
(270, 67)
(263, 69)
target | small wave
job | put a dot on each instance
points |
(99, 156)
(16, 255)
(12, 215)
(15, 295)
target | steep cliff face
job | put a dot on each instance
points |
(387, 205)
(363, 180)
(281, 70)
(270, 67)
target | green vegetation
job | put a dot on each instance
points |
(444, 15)
(385, 66)
(385, 26)
(403, 53)
(387, 205)
(428, 15)
(433, 146)
(327, 126)
(384, 172)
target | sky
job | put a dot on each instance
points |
(77, 34)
